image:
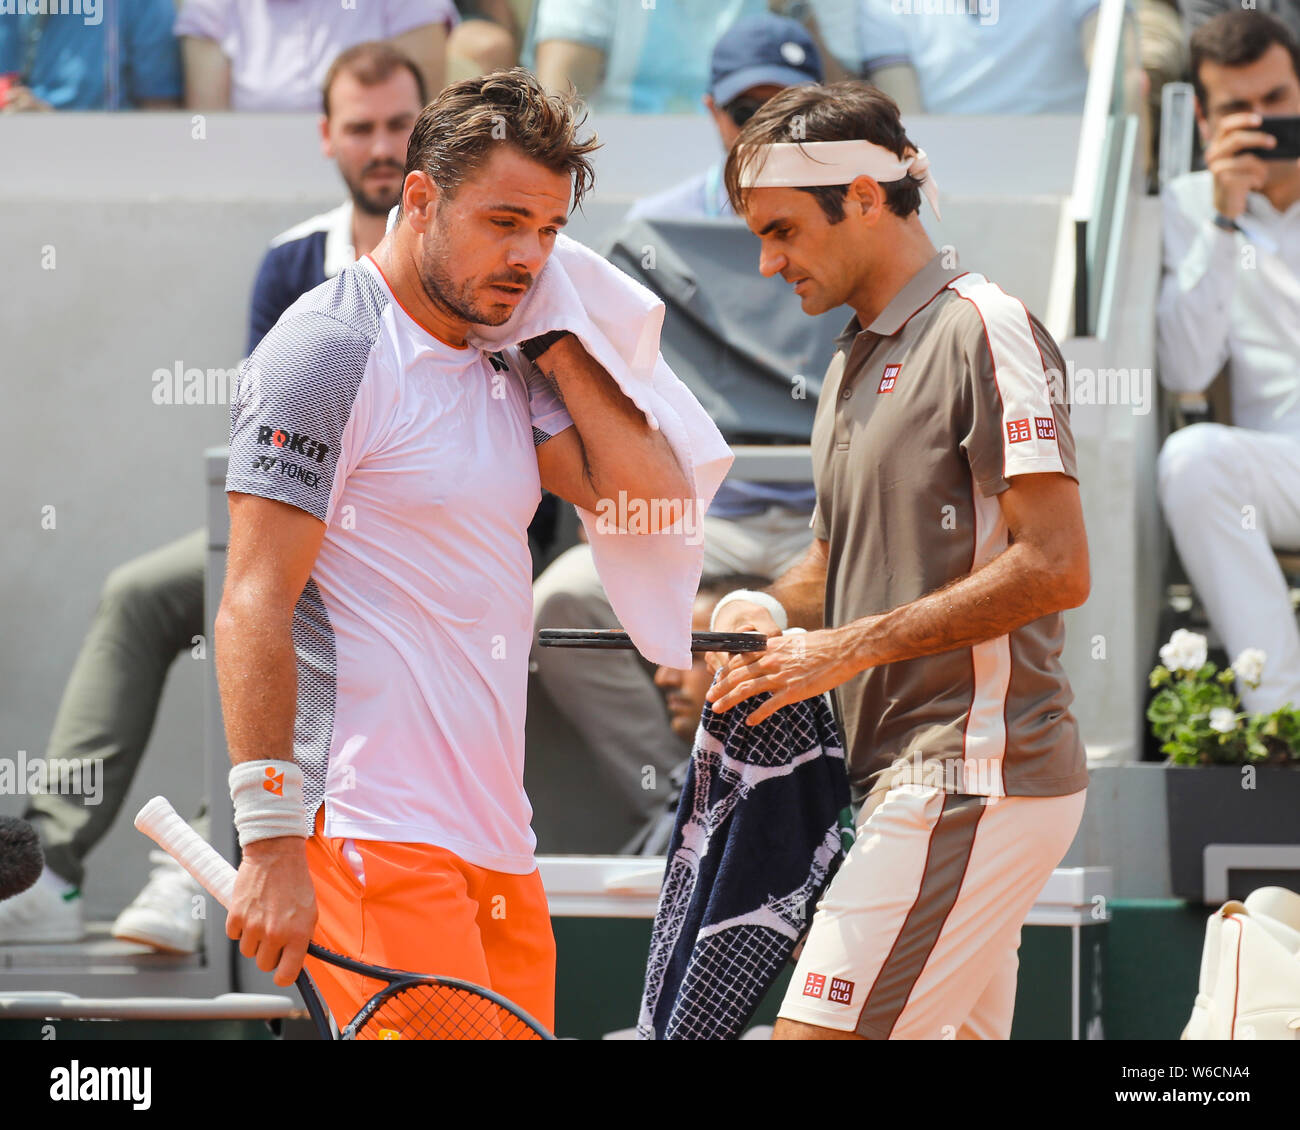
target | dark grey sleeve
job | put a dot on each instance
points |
(296, 394)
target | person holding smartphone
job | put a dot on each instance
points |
(1231, 294)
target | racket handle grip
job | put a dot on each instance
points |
(159, 821)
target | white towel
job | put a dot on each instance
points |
(650, 579)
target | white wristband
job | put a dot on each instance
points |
(267, 796)
(767, 600)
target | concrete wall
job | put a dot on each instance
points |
(129, 245)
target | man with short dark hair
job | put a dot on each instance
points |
(151, 608)
(1231, 294)
(370, 99)
(948, 539)
(373, 636)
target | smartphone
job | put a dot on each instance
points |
(1286, 128)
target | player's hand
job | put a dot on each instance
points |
(273, 911)
(793, 668)
(740, 616)
(1237, 174)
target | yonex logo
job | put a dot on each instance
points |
(293, 441)
(889, 378)
(814, 985)
(841, 991)
(1018, 430)
(292, 470)
(274, 782)
(1046, 427)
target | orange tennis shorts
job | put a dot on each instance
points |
(424, 909)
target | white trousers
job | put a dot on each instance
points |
(1231, 496)
(917, 936)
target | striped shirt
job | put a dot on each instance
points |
(925, 417)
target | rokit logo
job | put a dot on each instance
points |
(293, 441)
(292, 470)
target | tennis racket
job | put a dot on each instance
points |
(408, 1006)
(608, 640)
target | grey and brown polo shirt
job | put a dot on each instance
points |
(924, 418)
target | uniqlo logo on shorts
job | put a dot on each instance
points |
(1046, 427)
(889, 378)
(1018, 430)
(814, 985)
(841, 991)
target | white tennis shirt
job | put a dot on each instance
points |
(412, 634)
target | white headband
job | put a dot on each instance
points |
(806, 164)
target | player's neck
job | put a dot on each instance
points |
(396, 260)
(891, 270)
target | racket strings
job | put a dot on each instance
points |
(441, 1012)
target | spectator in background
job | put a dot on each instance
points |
(126, 59)
(151, 608)
(628, 57)
(608, 697)
(274, 54)
(1231, 293)
(986, 58)
(1198, 12)
(486, 39)
(684, 692)
(372, 96)
(1001, 58)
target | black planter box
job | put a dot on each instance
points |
(1208, 805)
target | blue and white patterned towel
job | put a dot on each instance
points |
(756, 841)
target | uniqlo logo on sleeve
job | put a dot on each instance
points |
(1018, 430)
(1046, 427)
(814, 985)
(841, 991)
(889, 378)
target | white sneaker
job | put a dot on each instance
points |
(42, 914)
(162, 914)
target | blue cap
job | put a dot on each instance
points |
(762, 50)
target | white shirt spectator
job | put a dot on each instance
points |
(280, 50)
(1012, 57)
(1232, 297)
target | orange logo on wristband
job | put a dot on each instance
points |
(274, 782)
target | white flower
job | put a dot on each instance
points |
(1249, 667)
(1185, 651)
(1223, 719)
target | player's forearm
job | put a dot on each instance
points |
(1014, 589)
(627, 462)
(257, 675)
(801, 589)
